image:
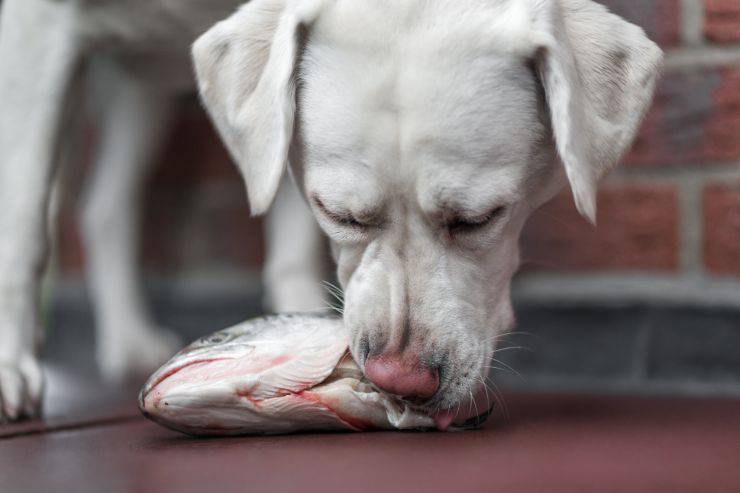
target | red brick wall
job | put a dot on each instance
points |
(722, 21)
(721, 232)
(639, 230)
(687, 157)
(195, 216)
(687, 152)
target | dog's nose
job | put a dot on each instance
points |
(399, 376)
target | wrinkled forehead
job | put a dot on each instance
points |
(416, 94)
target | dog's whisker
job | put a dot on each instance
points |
(334, 291)
(331, 284)
(517, 333)
(507, 348)
(496, 341)
(499, 399)
(334, 308)
(336, 297)
(475, 404)
(507, 370)
(507, 366)
(487, 389)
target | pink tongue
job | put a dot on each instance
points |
(443, 420)
(471, 409)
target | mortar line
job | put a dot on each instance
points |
(599, 287)
(692, 22)
(716, 171)
(643, 342)
(691, 217)
(707, 56)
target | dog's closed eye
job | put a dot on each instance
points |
(461, 224)
(342, 218)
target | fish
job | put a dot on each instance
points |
(278, 374)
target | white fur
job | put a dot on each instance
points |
(599, 73)
(409, 114)
(131, 128)
(247, 86)
(138, 57)
(402, 115)
(31, 95)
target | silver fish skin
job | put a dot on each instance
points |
(272, 375)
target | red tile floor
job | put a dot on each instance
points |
(94, 440)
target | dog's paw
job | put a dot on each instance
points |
(21, 388)
(136, 357)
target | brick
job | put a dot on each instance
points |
(722, 21)
(659, 18)
(193, 152)
(721, 204)
(695, 119)
(165, 216)
(178, 231)
(186, 229)
(637, 229)
(235, 238)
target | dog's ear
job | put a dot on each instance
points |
(599, 72)
(245, 67)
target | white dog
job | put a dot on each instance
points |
(422, 133)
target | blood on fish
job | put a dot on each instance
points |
(248, 396)
(354, 424)
(284, 358)
(301, 384)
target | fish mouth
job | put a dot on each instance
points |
(157, 379)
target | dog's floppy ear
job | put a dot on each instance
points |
(245, 67)
(599, 72)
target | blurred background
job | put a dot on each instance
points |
(647, 302)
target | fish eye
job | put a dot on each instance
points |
(216, 338)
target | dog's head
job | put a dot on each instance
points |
(423, 134)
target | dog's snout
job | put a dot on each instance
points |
(402, 376)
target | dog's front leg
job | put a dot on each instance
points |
(38, 54)
(134, 119)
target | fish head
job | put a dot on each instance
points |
(221, 381)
